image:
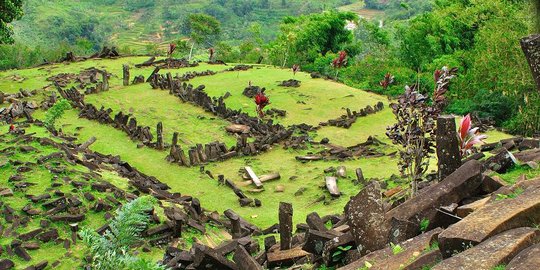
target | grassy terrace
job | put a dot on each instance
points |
(323, 100)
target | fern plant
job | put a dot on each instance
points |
(111, 251)
(55, 112)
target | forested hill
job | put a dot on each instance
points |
(139, 24)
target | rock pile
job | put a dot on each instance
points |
(18, 109)
(167, 63)
(290, 83)
(346, 121)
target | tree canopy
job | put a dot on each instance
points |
(10, 10)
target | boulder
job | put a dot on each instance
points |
(497, 250)
(493, 218)
(526, 259)
(405, 219)
(365, 216)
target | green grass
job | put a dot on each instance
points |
(324, 100)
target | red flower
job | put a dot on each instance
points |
(11, 128)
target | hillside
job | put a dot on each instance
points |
(302, 183)
(138, 25)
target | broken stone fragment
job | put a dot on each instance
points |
(497, 250)
(493, 218)
(405, 219)
(526, 259)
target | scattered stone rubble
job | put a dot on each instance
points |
(167, 63)
(346, 121)
(492, 233)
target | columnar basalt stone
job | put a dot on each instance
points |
(448, 156)
(236, 228)
(244, 261)
(405, 219)
(365, 216)
(497, 250)
(491, 219)
(159, 143)
(531, 47)
(285, 225)
(105, 83)
(125, 69)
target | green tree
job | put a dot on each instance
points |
(111, 251)
(202, 28)
(10, 10)
(302, 39)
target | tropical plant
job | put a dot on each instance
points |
(387, 81)
(415, 127)
(295, 69)
(339, 62)
(55, 112)
(211, 52)
(111, 251)
(261, 101)
(172, 48)
(468, 136)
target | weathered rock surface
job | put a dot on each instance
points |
(365, 215)
(526, 259)
(494, 218)
(405, 219)
(384, 259)
(498, 250)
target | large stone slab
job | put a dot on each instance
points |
(493, 218)
(365, 216)
(385, 259)
(498, 250)
(405, 219)
(526, 259)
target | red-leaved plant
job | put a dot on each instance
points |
(295, 69)
(340, 62)
(211, 52)
(172, 48)
(261, 101)
(387, 81)
(415, 129)
(468, 136)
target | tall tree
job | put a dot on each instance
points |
(202, 28)
(10, 10)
